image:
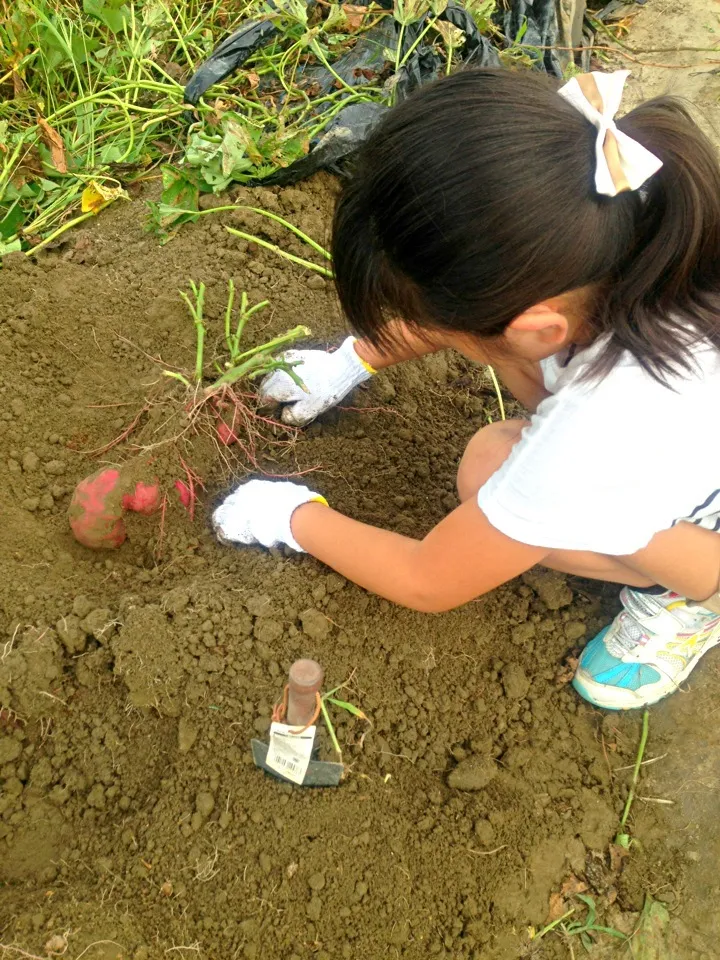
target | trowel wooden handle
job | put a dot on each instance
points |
(304, 684)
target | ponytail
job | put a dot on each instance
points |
(666, 296)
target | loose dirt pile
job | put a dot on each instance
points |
(131, 682)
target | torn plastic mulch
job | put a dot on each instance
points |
(533, 21)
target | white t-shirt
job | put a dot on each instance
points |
(606, 464)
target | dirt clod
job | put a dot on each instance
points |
(315, 624)
(515, 681)
(474, 773)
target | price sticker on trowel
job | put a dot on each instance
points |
(289, 753)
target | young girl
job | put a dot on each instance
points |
(517, 223)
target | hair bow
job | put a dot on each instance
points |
(621, 163)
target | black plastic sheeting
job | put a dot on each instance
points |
(352, 124)
(541, 30)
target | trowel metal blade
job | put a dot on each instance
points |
(320, 773)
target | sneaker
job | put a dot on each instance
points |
(646, 652)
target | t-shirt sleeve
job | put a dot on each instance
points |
(578, 479)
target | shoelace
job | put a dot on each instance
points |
(631, 632)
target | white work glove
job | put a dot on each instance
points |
(260, 511)
(328, 378)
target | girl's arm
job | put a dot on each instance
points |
(460, 559)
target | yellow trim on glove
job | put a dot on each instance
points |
(367, 366)
(371, 370)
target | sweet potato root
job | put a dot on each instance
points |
(100, 502)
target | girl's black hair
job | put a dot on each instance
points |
(474, 200)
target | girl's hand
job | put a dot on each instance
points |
(328, 377)
(260, 511)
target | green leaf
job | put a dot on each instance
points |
(179, 189)
(54, 52)
(11, 220)
(154, 14)
(350, 707)
(114, 15)
(590, 904)
(13, 247)
(235, 150)
(482, 12)
(82, 47)
(180, 192)
(28, 191)
(650, 940)
(336, 18)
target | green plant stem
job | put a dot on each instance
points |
(263, 213)
(257, 366)
(165, 88)
(245, 315)
(638, 764)
(259, 360)
(290, 226)
(428, 27)
(177, 376)
(328, 115)
(280, 252)
(228, 316)
(330, 728)
(67, 226)
(240, 329)
(448, 69)
(196, 312)
(9, 165)
(281, 341)
(59, 205)
(316, 49)
(398, 51)
(236, 373)
(555, 923)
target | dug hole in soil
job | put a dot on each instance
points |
(132, 818)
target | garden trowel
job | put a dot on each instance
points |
(289, 754)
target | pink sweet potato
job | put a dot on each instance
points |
(184, 493)
(225, 434)
(99, 503)
(145, 499)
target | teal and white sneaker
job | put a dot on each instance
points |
(646, 652)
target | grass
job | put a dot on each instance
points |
(330, 698)
(585, 929)
(92, 93)
(623, 837)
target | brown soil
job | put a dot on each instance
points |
(133, 823)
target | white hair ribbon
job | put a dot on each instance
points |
(621, 163)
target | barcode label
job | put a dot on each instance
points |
(289, 753)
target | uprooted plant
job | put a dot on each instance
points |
(220, 395)
(214, 402)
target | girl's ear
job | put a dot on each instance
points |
(538, 332)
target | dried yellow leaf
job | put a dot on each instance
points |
(97, 195)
